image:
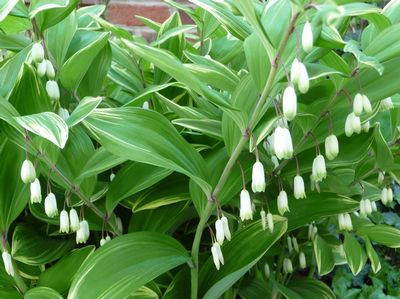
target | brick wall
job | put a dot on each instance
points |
(123, 12)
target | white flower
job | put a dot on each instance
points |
(356, 124)
(365, 126)
(225, 225)
(146, 105)
(108, 238)
(41, 68)
(366, 104)
(283, 205)
(102, 242)
(270, 221)
(348, 127)
(52, 90)
(217, 255)
(37, 52)
(246, 211)
(82, 234)
(318, 168)
(302, 260)
(50, 205)
(384, 196)
(283, 143)
(386, 104)
(219, 231)
(63, 113)
(367, 207)
(298, 186)
(304, 81)
(8, 263)
(263, 219)
(345, 222)
(289, 103)
(267, 271)
(28, 173)
(294, 71)
(36, 192)
(112, 176)
(307, 38)
(381, 177)
(289, 244)
(73, 220)
(287, 266)
(295, 244)
(358, 104)
(64, 222)
(389, 195)
(331, 147)
(349, 224)
(373, 206)
(258, 177)
(50, 73)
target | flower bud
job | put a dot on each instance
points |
(146, 105)
(41, 68)
(289, 244)
(283, 143)
(342, 222)
(304, 81)
(50, 205)
(83, 233)
(318, 168)
(358, 104)
(289, 103)
(384, 196)
(307, 38)
(258, 177)
(63, 113)
(267, 271)
(219, 231)
(294, 71)
(298, 186)
(73, 220)
(50, 73)
(373, 206)
(381, 177)
(216, 252)
(52, 90)
(28, 173)
(302, 260)
(349, 224)
(36, 192)
(102, 242)
(331, 147)
(295, 244)
(356, 124)
(366, 104)
(263, 219)
(348, 127)
(37, 52)
(112, 176)
(386, 104)
(270, 221)
(225, 224)
(64, 222)
(367, 207)
(287, 266)
(246, 211)
(8, 263)
(283, 204)
(389, 195)
(365, 126)
(363, 212)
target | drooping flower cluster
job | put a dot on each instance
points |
(345, 222)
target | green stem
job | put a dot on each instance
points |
(233, 158)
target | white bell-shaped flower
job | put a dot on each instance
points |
(366, 104)
(365, 126)
(294, 71)
(50, 73)
(73, 220)
(283, 204)
(263, 216)
(349, 224)
(302, 260)
(28, 173)
(298, 186)
(219, 231)
(225, 225)
(8, 263)
(41, 68)
(287, 266)
(373, 206)
(358, 104)
(295, 244)
(356, 124)
(50, 205)
(304, 81)
(102, 242)
(367, 207)
(52, 90)
(319, 168)
(108, 238)
(270, 222)
(341, 222)
(36, 192)
(289, 103)
(289, 244)
(83, 233)
(307, 38)
(146, 105)
(37, 52)
(246, 211)
(331, 147)
(112, 176)
(64, 222)
(283, 143)
(348, 127)
(363, 212)
(384, 196)
(389, 195)
(386, 104)
(381, 177)
(63, 113)
(216, 252)
(267, 271)
(258, 177)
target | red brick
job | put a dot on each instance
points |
(124, 14)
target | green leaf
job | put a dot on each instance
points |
(32, 248)
(311, 288)
(85, 107)
(242, 253)
(206, 126)
(372, 256)
(125, 264)
(384, 157)
(75, 68)
(355, 254)
(59, 277)
(364, 60)
(323, 255)
(47, 125)
(5, 7)
(42, 5)
(42, 293)
(146, 136)
(382, 234)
